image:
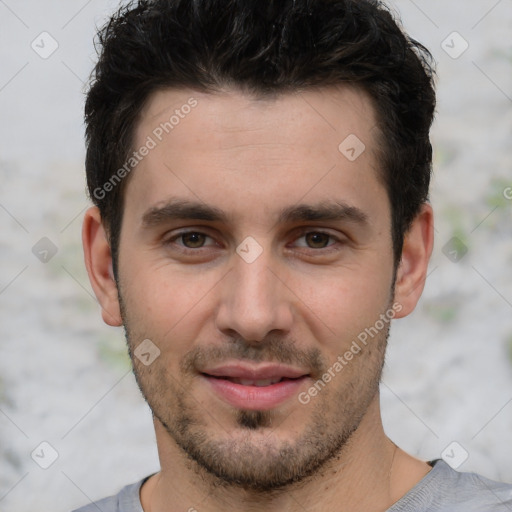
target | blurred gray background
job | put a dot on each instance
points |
(65, 379)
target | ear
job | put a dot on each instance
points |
(98, 261)
(412, 270)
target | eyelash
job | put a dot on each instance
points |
(187, 250)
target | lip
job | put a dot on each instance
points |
(255, 397)
(255, 372)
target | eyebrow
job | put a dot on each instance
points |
(190, 210)
(325, 211)
(182, 209)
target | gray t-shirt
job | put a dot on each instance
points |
(441, 490)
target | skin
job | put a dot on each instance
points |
(302, 301)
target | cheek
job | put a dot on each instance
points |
(353, 292)
(168, 306)
(338, 306)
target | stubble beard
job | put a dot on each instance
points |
(255, 459)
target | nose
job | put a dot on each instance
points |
(254, 301)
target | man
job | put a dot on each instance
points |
(260, 173)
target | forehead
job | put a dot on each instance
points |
(231, 146)
(293, 116)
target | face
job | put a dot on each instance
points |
(253, 254)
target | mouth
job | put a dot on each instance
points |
(257, 383)
(261, 387)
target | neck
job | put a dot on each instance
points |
(370, 474)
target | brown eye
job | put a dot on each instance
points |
(193, 240)
(317, 240)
